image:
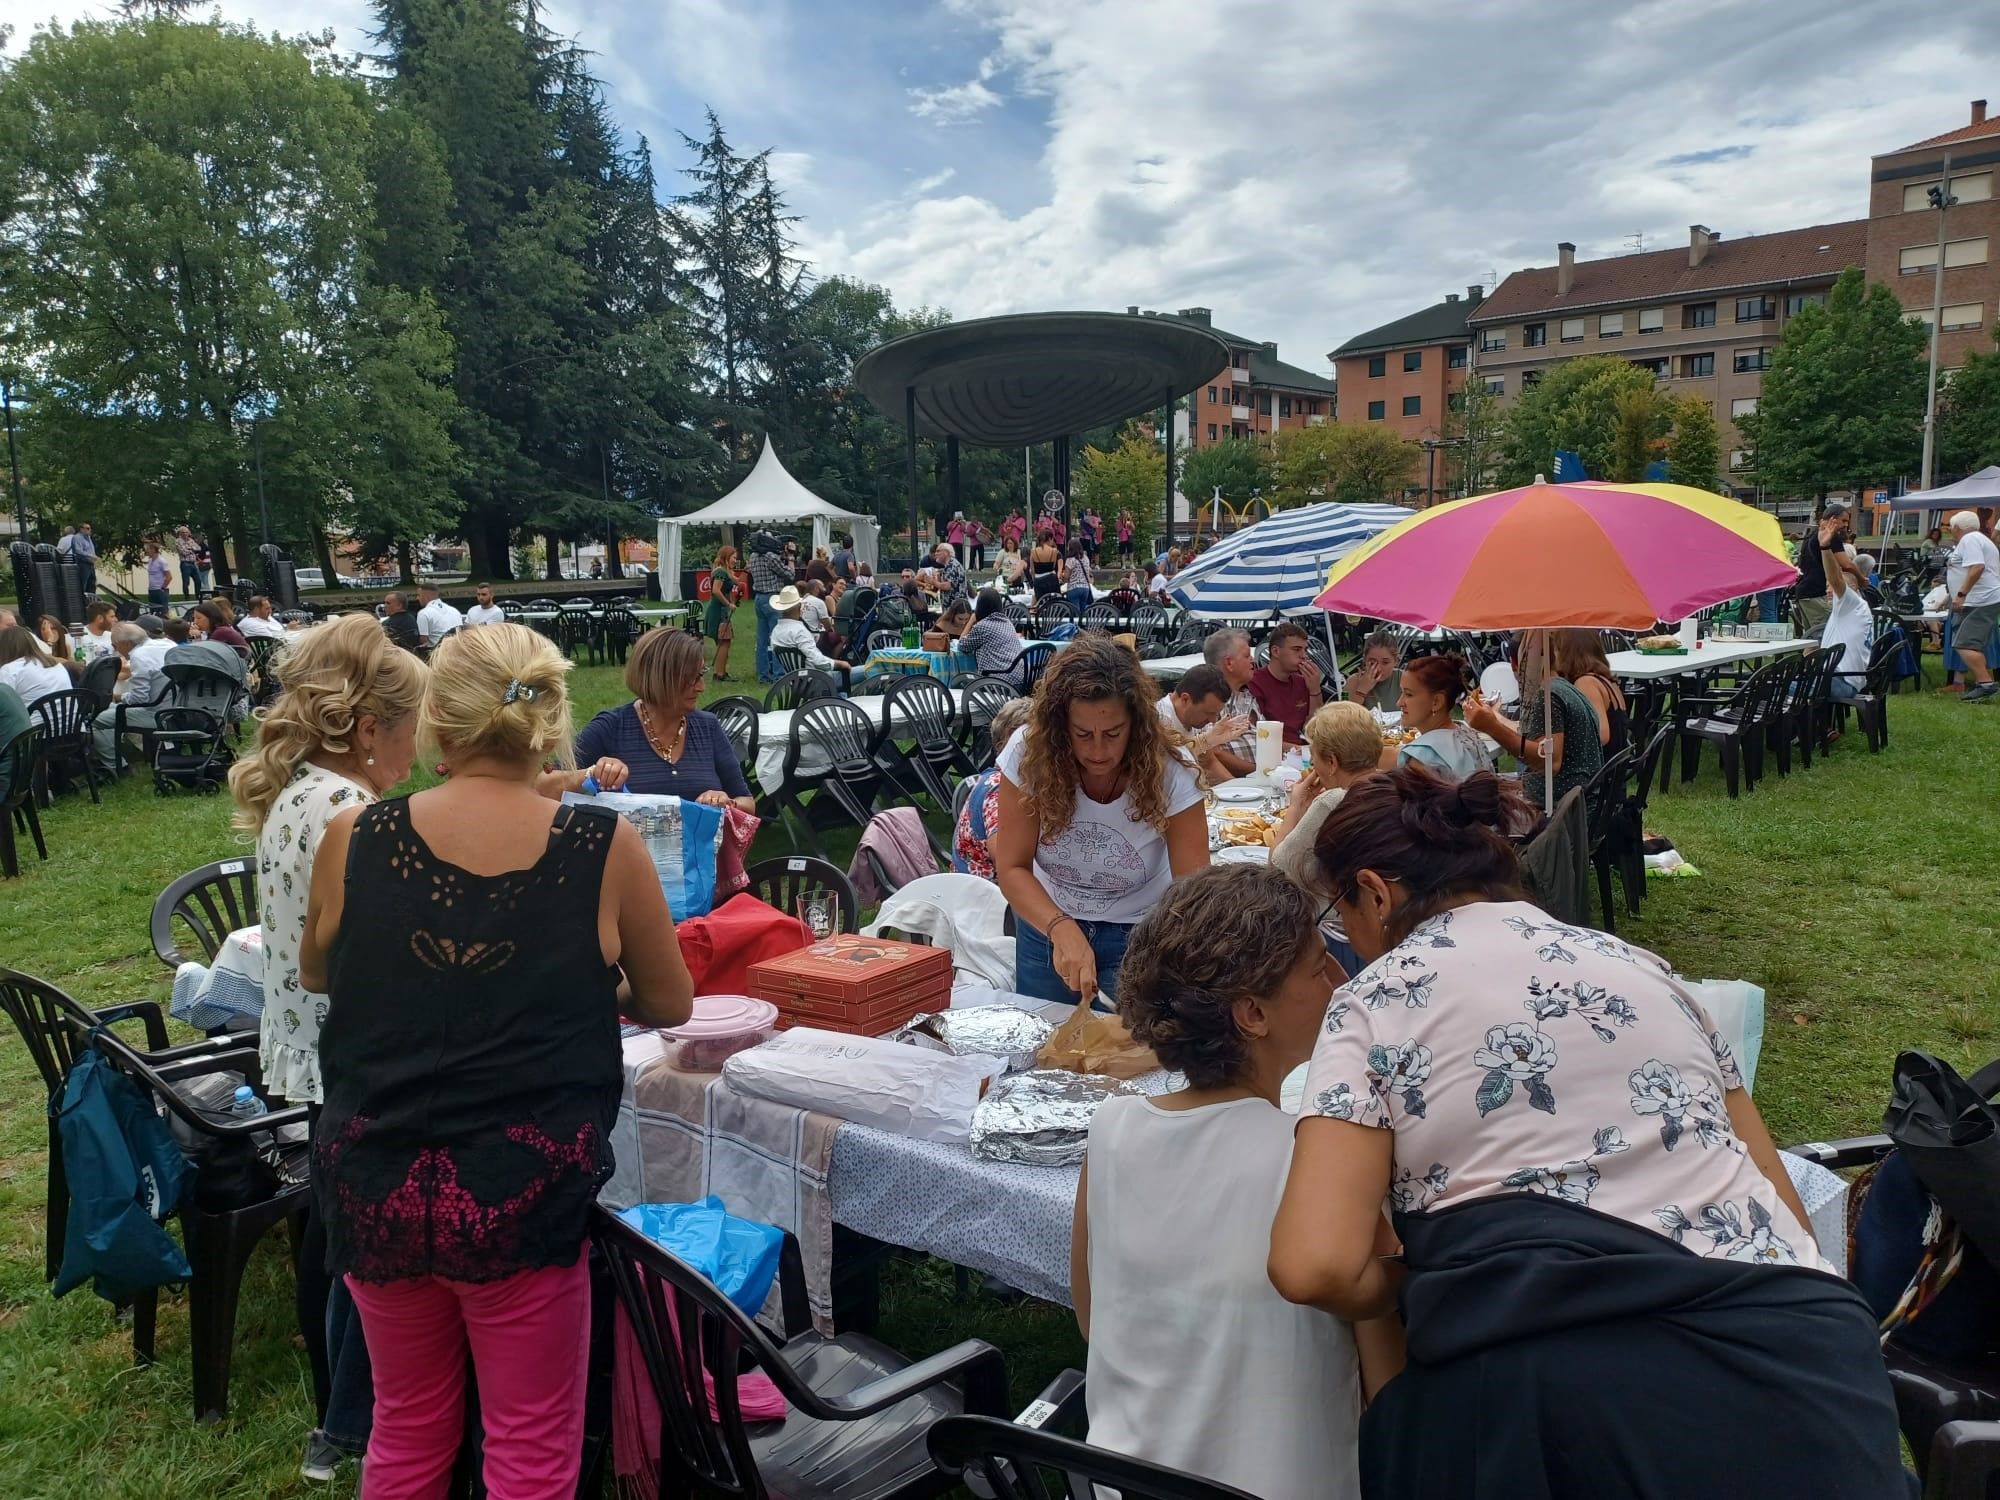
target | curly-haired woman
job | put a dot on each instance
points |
(1226, 980)
(1098, 815)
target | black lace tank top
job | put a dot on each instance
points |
(470, 1057)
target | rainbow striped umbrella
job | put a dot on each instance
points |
(1545, 555)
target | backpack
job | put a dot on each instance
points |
(125, 1174)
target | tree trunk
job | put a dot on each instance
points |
(554, 545)
(612, 567)
(323, 551)
(406, 564)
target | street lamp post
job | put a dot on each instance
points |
(14, 459)
(1943, 202)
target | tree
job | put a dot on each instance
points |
(720, 221)
(1574, 406)
(1969, 415)
(1694, 451)
(1843, 401)
(1641, 418)
(1344, 463)
(1131, 476)
(1476, 426)
(1239, 467)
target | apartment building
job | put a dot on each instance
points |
(1255, 394)
(1907, 232)
(1702, 319)
(1404, 374)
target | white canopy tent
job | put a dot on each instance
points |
(1969, 493)
(768, 496)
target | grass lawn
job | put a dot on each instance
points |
(1861, 896)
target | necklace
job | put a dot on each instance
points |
(660, 748)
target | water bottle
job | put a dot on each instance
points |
(246, 1105)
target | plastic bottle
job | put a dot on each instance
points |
(246, 1105)
(590, 786)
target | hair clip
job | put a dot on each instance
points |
(517, 689)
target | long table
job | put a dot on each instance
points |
(1710, 656)
(774, 733)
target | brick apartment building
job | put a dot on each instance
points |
(1407, 374)
(1255, 394)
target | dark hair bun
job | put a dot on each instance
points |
(1451, 814)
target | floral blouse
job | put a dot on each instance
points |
(288, 1035)
(1512, 1053)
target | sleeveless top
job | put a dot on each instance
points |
(470, 1057)
(1618, 712)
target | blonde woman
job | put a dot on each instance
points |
(1099, 814)
(343, 732)
(1346, 746)
(478, 941)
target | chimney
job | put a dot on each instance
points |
(1132, 310)
(1475, 293)
(1196, 315)
(1979, 111)
(1565, 267)
(1451, 296)
(1700, 238)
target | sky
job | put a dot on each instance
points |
(1307, 169)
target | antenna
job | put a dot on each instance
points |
(1637, 239)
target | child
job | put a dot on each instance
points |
(1195, 1361)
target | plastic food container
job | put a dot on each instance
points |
(721, 1027)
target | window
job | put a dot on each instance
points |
(1378, 365)
(1756, 309)
(1211, 432)
(1377, 410)
(1749, 360)
(1652, 319)
(1413, 359)
(1798, 302)
(1496, 385)
(1455, 401)
(1971, 252)
(1491, 340)
(1239, 359)
(1611, 326)
(1413, 406)
(1743, 406)
(1530, 379)
(1698, 315)
(1454, 357)
(1534, 335)
(1739, 458)
(1972, 187)
(1238, 396)
(1572, 330)
(1211, 395)
(1657, 368)
(1694, 366)
(1964, 315)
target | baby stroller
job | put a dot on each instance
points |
(189, 740)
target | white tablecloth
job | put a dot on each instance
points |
(1636, 666)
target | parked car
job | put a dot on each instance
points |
(309, 578)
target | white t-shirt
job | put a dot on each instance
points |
(1106, 866)
(1170, 716)
(812, 613)
(486, 614)
(1185, 1327)
(1157, 586)
(92, 646)
(1849, 627)
(1975, 547)
(254, 628)
(435, 618)
(32, 680)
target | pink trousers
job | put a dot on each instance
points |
(530, 1340)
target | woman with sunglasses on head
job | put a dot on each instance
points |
(1607, 1278)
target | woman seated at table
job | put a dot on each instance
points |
(972, 837)
(1225, 982)
(477, 943)
(1432, 687)
(1571, 746)
(27, 667)
(1010, 566)
(660, 742)
(1044, 564)
(218, 624)
(955, 622)
(1346, 746)
(1583, 1190)
(54, 636)
(992, 641)
(1098, 816)
(1076, 578)
(1580, 661)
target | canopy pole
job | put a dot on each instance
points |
(1060, 482)
(1548, 727)
(951, 475)
(910, 436)
(1167, 437)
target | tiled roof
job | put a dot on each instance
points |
(1976, 132)
(1267, 369)
(1756, 260)
(1436, 324)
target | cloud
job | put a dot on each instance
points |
(957, 104)
(1709, 157)
(933, 182)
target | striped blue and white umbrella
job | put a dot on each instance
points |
(1279, 563)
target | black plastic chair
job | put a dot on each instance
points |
(1813, 722)
(783, 881)
(1025, 1460)
(1735, 726)
(263, 681)
(738, 717)
(1788, 706)
(1020, 614)
(1604, 802)
(921, 710)
(859, 1414)
(98, 680)
(981, 701)
(21, 760)
(884, 640)
(790, 659)
(218, 1240)
(795, 688)
(1870, 705)
(832, 751)
(616, 632)
(1029, 666)
(66, 718)
(1101, 616)
(211, 903)
(1631, 832)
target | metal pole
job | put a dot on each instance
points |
(257, 449)
(951, 484)
(1944, 202)
(1431, 478)
(910, 435)
(1167, 431)
(14, 459)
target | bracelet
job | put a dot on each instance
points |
(1062, 916)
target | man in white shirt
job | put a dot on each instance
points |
(434, 616)
(812, 605)
(258, 624)
(484, 611)
(1849, 623)
(96, 638)
(1973, 576)
(141, 681)
(1194, 711)
(792, 631)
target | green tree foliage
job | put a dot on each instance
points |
(1344, 463)
(1843, 401)
(1574, 406)
(1641, 418)
(1969, 415)
(1476, 425)
(1239, 467)
(1694, 450)
(1131, 476)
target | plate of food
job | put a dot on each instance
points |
(1245, 791)
(1659, 645)
(1236, 826)
(1242, 854)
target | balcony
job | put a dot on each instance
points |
(1239, 413)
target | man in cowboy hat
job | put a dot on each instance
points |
(792, 631)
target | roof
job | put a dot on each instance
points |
(1032, 377)
(1977, 131)
(1265, 366)
(1755, 260)
(768, 493)
(1439, 323)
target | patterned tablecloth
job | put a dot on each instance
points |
(209, 997)
(901, 661)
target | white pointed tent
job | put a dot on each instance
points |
(768, 496)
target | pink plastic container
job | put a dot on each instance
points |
(721, 1027)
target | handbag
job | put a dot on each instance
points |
(1950, 1132)
(125, 1174)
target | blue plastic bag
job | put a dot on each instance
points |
(739, 1255)
(681, 838)
(125, 1174)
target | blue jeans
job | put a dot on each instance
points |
(1034, 961)
(767, 620)
(350, 1403)
(1080, 599)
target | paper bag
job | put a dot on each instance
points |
(1092, 1042)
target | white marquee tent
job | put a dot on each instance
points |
(768, 496)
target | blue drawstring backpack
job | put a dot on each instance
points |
(125, 1174)
(739, 1255)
